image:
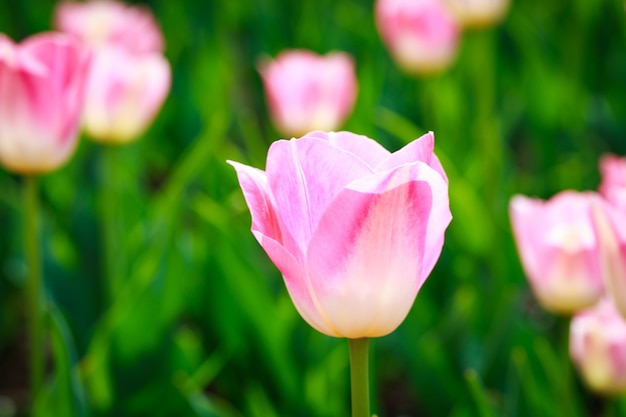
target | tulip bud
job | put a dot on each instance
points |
(124, 94)
(41, 95)
(558, 249)
(613, 185)
(307, 92)
(101, 23)
(421, 35)
(477, 13)
(598, 348)
(354, 229)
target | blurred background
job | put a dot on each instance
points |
(203, 325)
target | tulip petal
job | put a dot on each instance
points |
(304, 176)
(420, 149)
(368, 150)
(296, 282)
(364, 267)
(253, 183)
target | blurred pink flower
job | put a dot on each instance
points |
(106, 22)
(124, 94)
(354, 229)
(307, 92)
(129, 77)
(613, 185)
(598, 347)
(477, 13)
(42, 84)
(558, 249)
(421, 35)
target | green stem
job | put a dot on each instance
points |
(108, 217)
(359, 377)
(33, 262)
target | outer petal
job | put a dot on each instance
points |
(371, 252)
(253, 183)
(266, 229)
(304, 176)
(368, 150)
(420, 149)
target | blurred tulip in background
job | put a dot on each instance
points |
(478, 13)
(125, 92)
(129, 77)
(104, 23)
(421, 35)
(307, 92)
(42, 84)
(558, 249)
(354, 229)
(598, 347)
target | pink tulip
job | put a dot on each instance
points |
(477, 13)
(354, 229)
(613, 185)
(610, 227)
(598, 348)
(558, 249)
(421, 35)
(124, 94)
(41, 95)
(307, 92)
(106, 22)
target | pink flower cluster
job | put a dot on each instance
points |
(105, 68)
(573, 250)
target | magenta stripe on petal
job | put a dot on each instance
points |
(365, 268)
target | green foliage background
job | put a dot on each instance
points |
(201, 324)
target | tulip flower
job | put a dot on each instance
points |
(124, 93)
(598, 348)
(41, 95)
(307, 92)
(610, 228)
(354, 229)
(421, 35)
(613, 185)
(477, 13)
(558, 249)
(102, 23)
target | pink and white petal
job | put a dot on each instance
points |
(368, 150)
(367, 255)
(253, 183)
(296, 282)
(420, 149)
(304, 176)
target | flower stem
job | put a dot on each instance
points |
(34, 284)
(359, 377)
(108, 201)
